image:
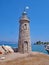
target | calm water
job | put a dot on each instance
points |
(39, 48)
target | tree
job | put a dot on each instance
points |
(39, 42)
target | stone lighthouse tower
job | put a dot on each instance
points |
(24, 43)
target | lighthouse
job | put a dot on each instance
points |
(24, 41)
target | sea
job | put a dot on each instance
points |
(35, 48)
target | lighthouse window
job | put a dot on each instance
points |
(25, 26)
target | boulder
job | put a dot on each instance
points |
(1, 50)
(8, 49)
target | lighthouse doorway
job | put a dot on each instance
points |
(25, 46)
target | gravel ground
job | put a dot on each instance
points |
(33, 58)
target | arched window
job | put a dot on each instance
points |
(25, 26)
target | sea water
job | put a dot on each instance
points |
(37, 48)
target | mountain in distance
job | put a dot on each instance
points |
(7, 42)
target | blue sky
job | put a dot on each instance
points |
(10, 12)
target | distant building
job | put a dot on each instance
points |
(24, 42)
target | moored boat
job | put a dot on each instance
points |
(47, 48)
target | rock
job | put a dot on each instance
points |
(8, 49)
